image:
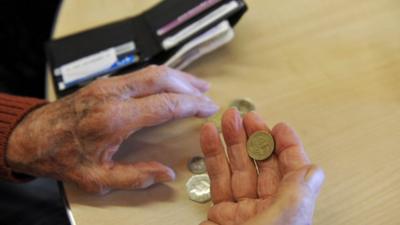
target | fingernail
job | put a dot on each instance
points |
(200, 81)
(314, 178)
(208, 110)
(234, 108)
(204, 83)
(206, 87)
(197, 92)
(214, 107)
(208, 99)
(169, 175)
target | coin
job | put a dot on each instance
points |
(216, 119)
(243, 105)
(260, 145)
(198, 188)
(197, 165)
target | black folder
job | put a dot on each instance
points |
(142, 32)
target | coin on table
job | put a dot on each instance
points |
(243, 105)
(198, 188)
(260, 145)
(197, 165)
(216, 119)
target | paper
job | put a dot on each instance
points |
(174, 40)
(205, 43)
(187, 16)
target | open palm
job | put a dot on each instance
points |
(283, 192)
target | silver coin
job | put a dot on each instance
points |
(243, 105)
(197, 165)
(198, 188)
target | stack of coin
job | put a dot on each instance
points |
(198, 186)
(260, 145)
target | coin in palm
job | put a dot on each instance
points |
(260, 145)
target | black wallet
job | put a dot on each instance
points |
(151, 37)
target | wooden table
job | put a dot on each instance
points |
(329, 68)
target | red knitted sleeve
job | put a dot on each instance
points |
(12, 110)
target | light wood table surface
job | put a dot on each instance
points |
(329, 68)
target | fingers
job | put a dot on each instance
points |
(314, 178)
(131, 176)
(269, 174)
(253, 123)
(200, 84)
(217, 164)
(302, 183)
(157, 109)
(290, 150)
(158, 79)
(224, 213)
(244, 175)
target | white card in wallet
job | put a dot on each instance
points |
(203, 44)
(177, 38)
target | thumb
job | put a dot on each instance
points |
(135, 175)
(314, 179)
(301, 186)
(295, 201)
(297, 195)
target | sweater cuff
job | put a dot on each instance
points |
(12, 111)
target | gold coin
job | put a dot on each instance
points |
(243, 105)
(260, 145)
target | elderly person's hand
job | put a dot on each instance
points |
(283, 193)
(75, 138)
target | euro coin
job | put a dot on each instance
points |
(197, 165)
(243, 105)
(260, 145)
(198, 188)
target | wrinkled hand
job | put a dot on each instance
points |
(283, 193)
(75, 138)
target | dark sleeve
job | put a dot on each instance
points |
(12, 111)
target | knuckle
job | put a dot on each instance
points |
(319, 175)
(87, 92)
(90, 180)
(162, 69)
(96, 89)
(160, 73)
(171, 105)
(317, 169)
(142, 181)
(98, 84)
(93, 187)
(295, 198)
(138, 181)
